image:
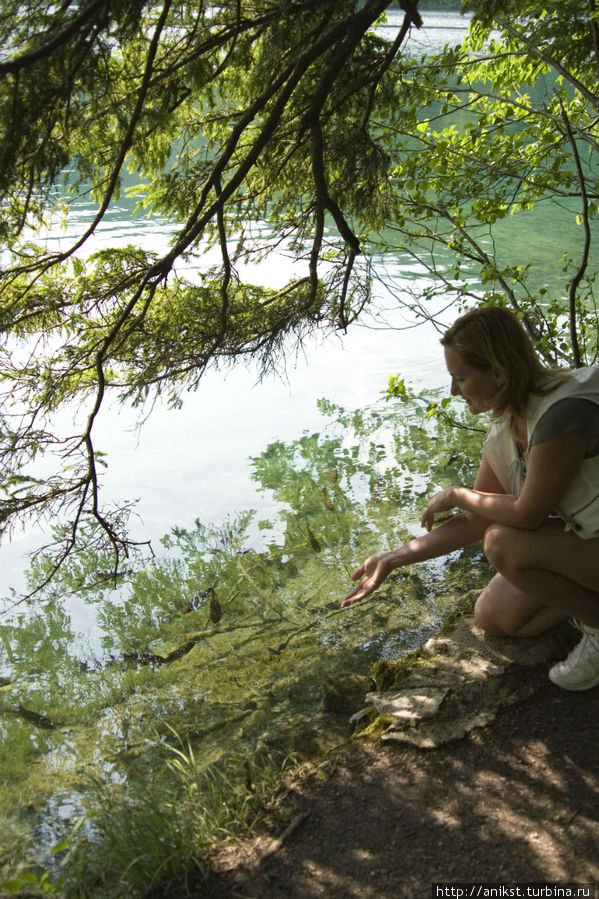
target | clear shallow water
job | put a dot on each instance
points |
(258, 638)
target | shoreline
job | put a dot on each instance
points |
(481, 771)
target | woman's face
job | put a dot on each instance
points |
(478, 388)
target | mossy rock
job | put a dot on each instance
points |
(388, 673)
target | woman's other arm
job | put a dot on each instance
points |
(552, 466)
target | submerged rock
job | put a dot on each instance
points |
(342, 693)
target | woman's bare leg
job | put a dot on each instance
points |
(503, 610)
(558, 570)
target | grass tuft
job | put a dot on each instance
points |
(162, 834)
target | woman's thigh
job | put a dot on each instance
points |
(549, 548)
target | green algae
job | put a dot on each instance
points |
(229, 637)
(375, 728)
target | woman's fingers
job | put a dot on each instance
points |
(362, 590)
(427, 520)
(372, 572)
(355, 596)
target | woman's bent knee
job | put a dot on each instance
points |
(500, 545)
(502, 610)
(485, 616)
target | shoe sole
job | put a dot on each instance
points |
(574, 688)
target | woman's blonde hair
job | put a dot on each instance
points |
(491, 338)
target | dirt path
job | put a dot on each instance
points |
(514, 801)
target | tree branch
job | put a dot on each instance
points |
(16, 64)
(586, 246)
(550, 61)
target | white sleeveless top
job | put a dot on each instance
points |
(579, 506)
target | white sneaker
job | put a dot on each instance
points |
(580, 670)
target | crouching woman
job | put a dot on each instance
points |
(535, 501)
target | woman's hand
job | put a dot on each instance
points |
(440, 502)
(371, 574)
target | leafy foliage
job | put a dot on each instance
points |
(229, 115)
(504, 125)
(249, 127)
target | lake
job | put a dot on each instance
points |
(270, 491)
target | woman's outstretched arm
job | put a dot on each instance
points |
(456, 533)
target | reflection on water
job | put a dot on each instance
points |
(232, 646)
